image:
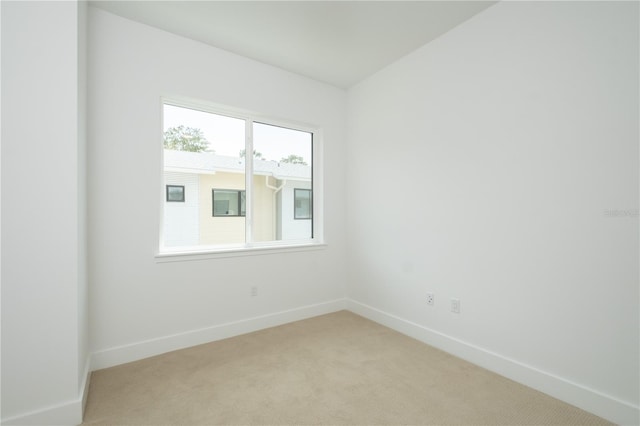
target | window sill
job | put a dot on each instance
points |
(200, 253)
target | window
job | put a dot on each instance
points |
(175, 193)
(302, 203)
(241, 176)
(229, 202)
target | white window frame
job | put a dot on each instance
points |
(184, 253)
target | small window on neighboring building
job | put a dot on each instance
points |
(228, 202)
(175, 193)
(302, 204)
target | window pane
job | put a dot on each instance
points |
(282, 163)
(226, 203)
(203, 153)
(302, 204)
(204, 180)
(175, 193)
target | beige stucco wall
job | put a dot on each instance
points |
(229, 230)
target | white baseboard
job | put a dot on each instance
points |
(65, 414)
(136, 351)
(610, 408)
(590, 400)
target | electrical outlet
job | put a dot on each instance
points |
(254, 291)
(455, 306)
(430, 299)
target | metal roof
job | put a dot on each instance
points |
(209, 163)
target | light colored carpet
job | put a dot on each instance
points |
(333, 369)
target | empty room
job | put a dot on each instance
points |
(320, 212)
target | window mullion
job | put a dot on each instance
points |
(248, 175)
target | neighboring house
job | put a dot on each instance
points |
(205, 200)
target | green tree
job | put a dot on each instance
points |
(257, 155)
(182, 138)
(294, 159)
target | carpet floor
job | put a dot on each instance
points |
(334, 369)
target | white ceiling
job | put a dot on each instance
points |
(337, 42)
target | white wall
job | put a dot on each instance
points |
(44, 333)
(181, 219)
(140, 307)
(292, 228)
(507, 140)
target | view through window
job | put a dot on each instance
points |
(227, 198)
